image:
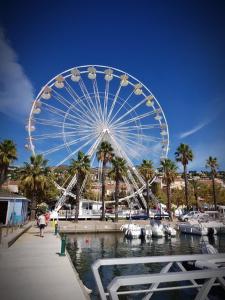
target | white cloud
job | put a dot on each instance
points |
(16, 91)
(193, 130)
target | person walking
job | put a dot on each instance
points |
(42, 224)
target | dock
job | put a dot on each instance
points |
(32, 269)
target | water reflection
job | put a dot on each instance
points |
(84, 249)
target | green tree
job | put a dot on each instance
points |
(8, 154)
(147, 171)
(184, 154)
(105, 155)
(119, 170)
(35, 179)
(169, 176)
(212, 163)
(81, 168)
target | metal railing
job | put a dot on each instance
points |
(213, 276)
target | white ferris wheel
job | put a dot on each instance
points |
(83, 106)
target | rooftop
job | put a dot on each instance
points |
(6, 194)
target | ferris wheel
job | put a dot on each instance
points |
(83, 106)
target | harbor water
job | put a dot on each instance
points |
(84, 249)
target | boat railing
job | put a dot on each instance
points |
(136, 284)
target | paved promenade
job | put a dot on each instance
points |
(31, 269)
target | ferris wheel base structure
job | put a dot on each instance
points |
(85, 105)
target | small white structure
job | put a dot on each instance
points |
(87, 209)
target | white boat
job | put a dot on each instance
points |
(132, 231)
(169, 230)
(157, 229)
(148, 231)
(208, 249)
(193, 227)
(135, 231)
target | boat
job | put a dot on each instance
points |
(148, 231)
(193, 227)
(169, 230)
(208, 249)
(157, 229)
(135, 231)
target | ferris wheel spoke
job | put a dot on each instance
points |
(61, 99)
(123, 153)
(89, 100)
(130, 111)
(61, 134)
(95, 145)
(138, 127)
(54, 123)
(81, 116)
(137, 118)
(113, 103)
(59, 112)
(74, 152)
(131, 143)
(121, 107)
(97, 98)
(70, 107)
(143, 136)
(60, 124)
(85, 109)
(66, 115)
(53, 135)
(106, 98)
(62, 146)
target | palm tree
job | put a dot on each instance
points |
(212, 163)
(147, 171)
(35, 178)
(80, 167)
(184, 154)
(8, 154)
(195, 186)
(119, 170)
(105, 155)
(169, 175)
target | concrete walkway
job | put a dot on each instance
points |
(31, 269)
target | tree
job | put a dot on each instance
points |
(147, 171)
(35, 179)
(195, 186)
(81, 168)
(169, 175)
(8, 154)
(212, 163)
(119, 170)
(184, 154)
(105, 155)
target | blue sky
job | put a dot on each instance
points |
(176, 48)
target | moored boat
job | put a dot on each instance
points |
(193, 227)
(157, 229)
(169, 230)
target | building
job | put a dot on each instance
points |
(11, 185)
(13, 208)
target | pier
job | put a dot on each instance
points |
(32, 269)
